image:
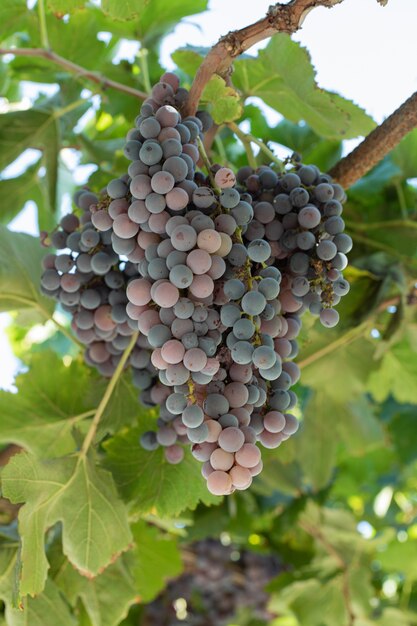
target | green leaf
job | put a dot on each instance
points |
(76, 39)
(47, 609)
(403, 432)
(154, 559)
(225, 101)
(123, 408)
(306, 599)
(137, 576)
(322, 352)
(397, 374)
(375, 181)
(405, 155)
(61, 7)
(283, 77)
(20, 271)
(148, 481)
(298, 137)
(37, 128)
(154, 18)
(13, 17)
(27, 186)
(316, 443)
(94, 533)
(106, 599)
(42, 415)
(400, 557)
(190, 58)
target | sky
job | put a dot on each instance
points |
(363, 51)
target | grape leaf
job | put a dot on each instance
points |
(151, 483)
(13, 16)
(400, 557)
(405, 155)
(154, 559)
(36, 128)
(282, 75)
(27, 186)
(398, 372)
(225, 101)
(153, 19)
(47, 609)
(41, 416)
(322, 352)
(77, 40)
(316, 442)
(20, 271)
(123, 408)
(94, 533)
(106, 598)
(61, 7)
(330, 425)
(305, 599)
(138, 576)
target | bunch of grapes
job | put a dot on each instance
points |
(89, 281)
(214, 272)
(219, 582)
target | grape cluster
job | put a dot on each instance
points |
(89, 281)
(219, 582)
(299, 214)
(214, 272)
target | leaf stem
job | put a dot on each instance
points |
(68, 108)
(344, 340)
(107, 395)
(78, 70)
(143, 61)
(44, 312)
(247, 145)
(246, 138)
(220, 149)
(42, 25)
(385, 224)
(409, 261)
(206, 161)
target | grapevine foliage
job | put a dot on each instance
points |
(205, 430)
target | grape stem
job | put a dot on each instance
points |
(107, 395)
(206, 161)
(143, 60)
(377, 144)
(42, 24)
(247, 139)
(248, 148)
(288, 18)
(285, 18)
(73, 68)
(191, 391)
